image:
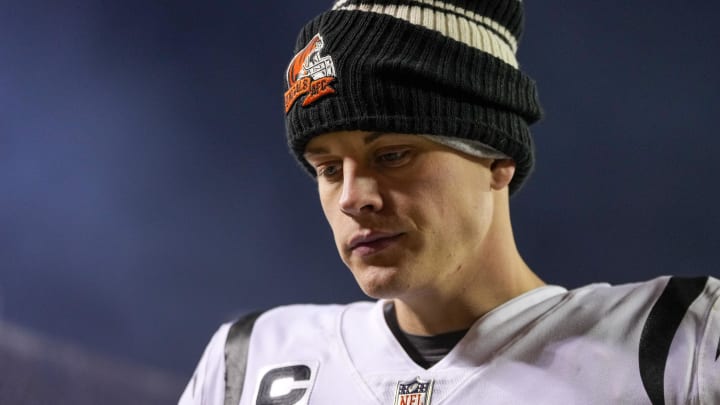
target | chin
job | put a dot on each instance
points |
(380, 282)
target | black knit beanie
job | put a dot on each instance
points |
(429, 67)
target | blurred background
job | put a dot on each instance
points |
(146, 193)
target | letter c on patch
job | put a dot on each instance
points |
(292, 382)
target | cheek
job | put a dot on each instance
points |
(433, 197)
(456, 208)
(326, 208)
(333, 216)
(473, 216)
(328, 202)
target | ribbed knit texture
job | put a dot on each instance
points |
(401, 67)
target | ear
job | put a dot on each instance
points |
(503, 171)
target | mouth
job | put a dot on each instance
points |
(368, 244)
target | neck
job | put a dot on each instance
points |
(434, 312)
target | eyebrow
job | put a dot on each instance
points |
(372, 136)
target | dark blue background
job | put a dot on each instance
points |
(146, 193)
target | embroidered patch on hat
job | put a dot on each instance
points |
(414, 392)
(310, 74)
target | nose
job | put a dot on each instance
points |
(360, 192)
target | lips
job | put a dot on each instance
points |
(373, 242)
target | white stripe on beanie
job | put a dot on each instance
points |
(472, 29)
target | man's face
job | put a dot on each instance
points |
(406, 213)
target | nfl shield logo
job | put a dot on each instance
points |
(414, 392)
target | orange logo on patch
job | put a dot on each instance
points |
(309, 74)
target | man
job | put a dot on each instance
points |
(413, 116)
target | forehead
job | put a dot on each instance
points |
(324, 143)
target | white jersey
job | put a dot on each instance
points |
(645, 343)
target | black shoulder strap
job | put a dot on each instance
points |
(236, 354)
(659, 330)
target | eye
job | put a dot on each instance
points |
(328, 170)
(393, 158)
